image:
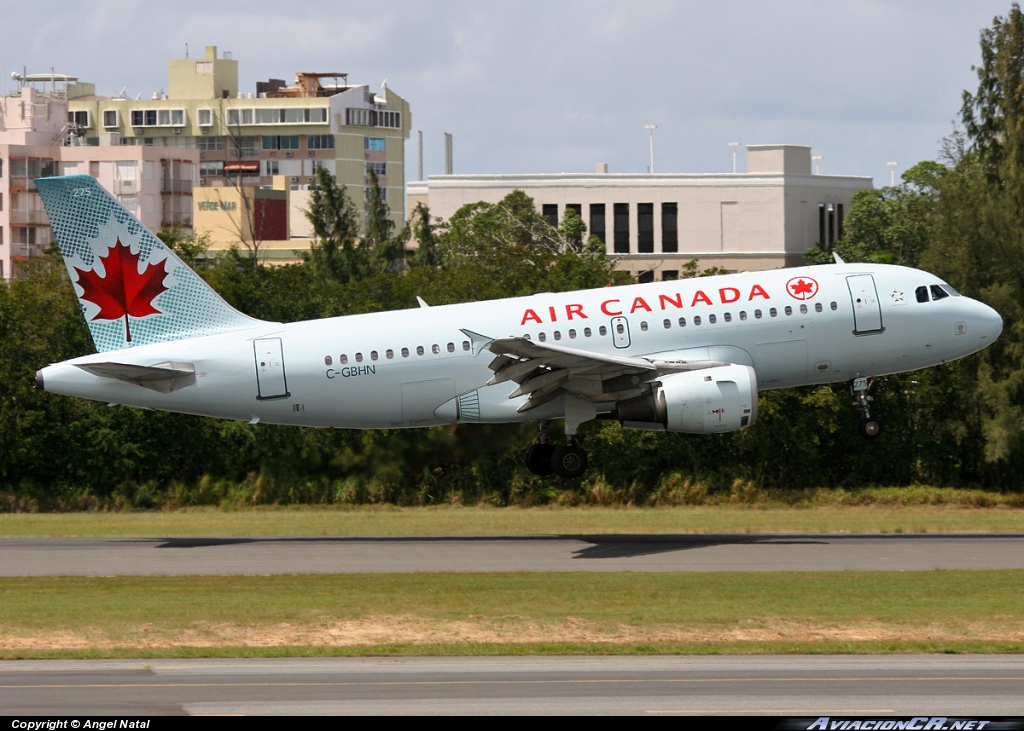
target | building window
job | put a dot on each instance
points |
(280, 142)
(210, 144)
(158, 118)
(320, 142)
(621, 212)
(645, 278)
(376, 144)
(597, 221)
(204, 117)
(244, 147)
(645, 228)
(206, 67)
(110, 118)
(550, 213)
(669, 275)
(373, 118)
(211, 169)
(238, 117)
(670, 228)
(380, 168)
(271, 167)
(79, 119)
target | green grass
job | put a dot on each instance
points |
(438, 614)
(808, 516)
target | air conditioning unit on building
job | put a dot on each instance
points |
(138, 130)
(177, 130)
(202, 181)
(202, 155)
(289, 153)
(206, 130)
(311, 153)
(294, 179)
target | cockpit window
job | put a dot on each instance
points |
(949, 289)
(922, 294)
(938, 292)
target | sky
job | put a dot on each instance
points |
(535, 86)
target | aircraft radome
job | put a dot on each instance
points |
(682, 356)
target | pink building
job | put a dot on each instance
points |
(38, 139)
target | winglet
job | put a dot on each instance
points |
(478, 341)
(422, 303)
(839, 259)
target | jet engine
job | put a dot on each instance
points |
(704, 401)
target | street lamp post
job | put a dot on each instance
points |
(650, 128)
(734, 145)
(892, 173)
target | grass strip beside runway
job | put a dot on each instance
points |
(960, 515)
(441, 614)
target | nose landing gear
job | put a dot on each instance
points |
(869, 426)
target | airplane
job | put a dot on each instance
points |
(688, 356)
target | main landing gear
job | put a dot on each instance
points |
(545, 458)
(869, 426)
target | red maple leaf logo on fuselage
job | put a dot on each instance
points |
(122, 290)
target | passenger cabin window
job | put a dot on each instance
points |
(712, 319)
(373, 355)
(405, 352)
(451, 347)
(465, 345)
(328, 360)
(435, 348)
(727, 317)
(666, 324)
(602, 330)
(682, 322)
(359, 357)
(389, 354)
(643, 325)
(419, 350)
(586, 332)
(343, 359)
(696, 320)
(834, 306)
(817, 307)
(572, 334)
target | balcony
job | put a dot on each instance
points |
(25, 251)
(126, 187)
(37, 218)
(176, 186)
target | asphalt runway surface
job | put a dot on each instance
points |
(318, 555)
(792, 686)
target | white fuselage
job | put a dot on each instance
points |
(399, 369)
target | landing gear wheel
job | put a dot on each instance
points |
(538, 458)
(870, 428)
(569, 461)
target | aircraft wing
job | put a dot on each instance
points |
(546, 370)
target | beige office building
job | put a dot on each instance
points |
(653, 224)
(249, 138)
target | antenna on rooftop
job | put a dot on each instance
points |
(186, 50)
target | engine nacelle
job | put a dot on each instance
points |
(706, 401)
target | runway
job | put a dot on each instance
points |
(316, 555)
(797, 686)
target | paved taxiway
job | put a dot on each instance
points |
(789, 686)
(248, 556)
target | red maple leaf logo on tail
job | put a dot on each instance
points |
(122, 290)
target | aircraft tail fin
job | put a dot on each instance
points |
(132, 288)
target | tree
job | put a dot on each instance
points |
(336, 252)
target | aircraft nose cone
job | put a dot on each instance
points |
(991, 323)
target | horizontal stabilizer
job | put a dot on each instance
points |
(163, 377)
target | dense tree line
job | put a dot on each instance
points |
(961, 424)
